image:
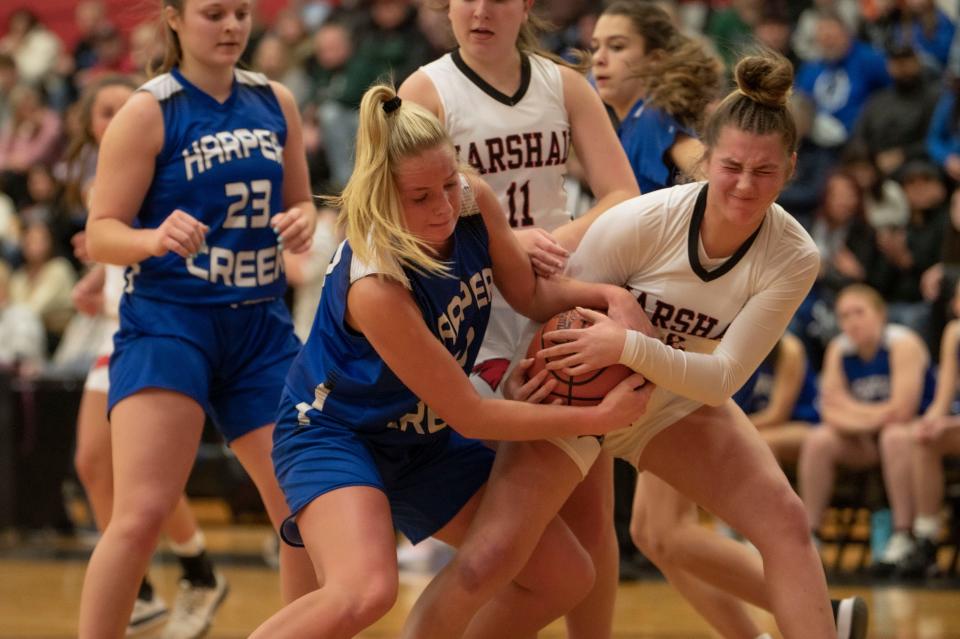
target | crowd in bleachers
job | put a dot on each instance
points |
(876, 182)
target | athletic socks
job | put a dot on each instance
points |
(926, 527)
(196, 565)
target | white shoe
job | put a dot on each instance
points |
(899, 546)
(427, 557)
(194, 608)
(147, 614)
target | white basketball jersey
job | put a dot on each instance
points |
(519, 144)
(652, 245)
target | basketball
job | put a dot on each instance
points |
(580, 390)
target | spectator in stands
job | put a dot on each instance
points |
(884, 202)
(922, 448)
(22, 339)
(110, 48)
(847, 72)
(928, 29)
(9, 231)
(34, 48)
(435, 27)
(802, 194)
(773, 30)
(146, 47)
(31, 136)
(805, 37)
(848, 246)
(915, 247)
(878, 19)
(272, 58)
(848, 254)
(732, 28)
(937, 282)
(8, 79)
(779, 399)
(314, 13)
(288, 25)
(392, 41)
(45, 280)
(306, 271)
(894, 121)
(876, 377)
(45, 206)
(339, 78)
(943, 137)
(89, 16)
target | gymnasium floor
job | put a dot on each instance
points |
(40, 582)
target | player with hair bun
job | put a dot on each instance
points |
(720, 269)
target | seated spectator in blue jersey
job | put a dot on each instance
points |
(841, 80)
(779, 399)
(920, 450)
(379, 425)
(658, 83)
(925, 26)
(876, 377)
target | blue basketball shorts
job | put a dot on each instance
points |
(232, 360)
(425, 483)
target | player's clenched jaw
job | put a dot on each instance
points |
(746, 172)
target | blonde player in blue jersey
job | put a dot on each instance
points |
(379, 425)
(515, 114)
(201, 182)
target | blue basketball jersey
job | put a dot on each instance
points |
(869, 380)
(222, 164)
(339, 376)
(755, 394)
(646, 134)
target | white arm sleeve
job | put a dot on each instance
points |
(714, 378)
(619, 243)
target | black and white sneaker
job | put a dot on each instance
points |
(194, 608)
(921, 563)
(148, 613)
(851, 616)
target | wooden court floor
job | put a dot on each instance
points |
(40, 583)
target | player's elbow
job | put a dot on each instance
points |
(95, 249)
